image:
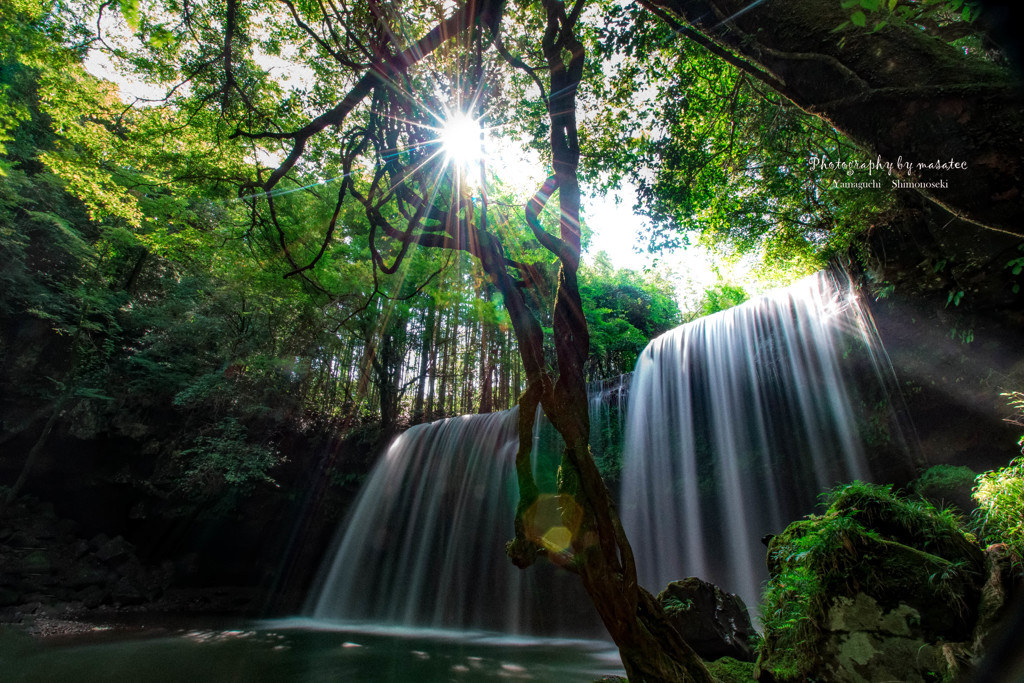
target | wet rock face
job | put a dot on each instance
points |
(714, 623)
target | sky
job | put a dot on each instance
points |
(617, 230)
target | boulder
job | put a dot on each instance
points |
(945, 485)
(714, 623)
(863, 642)
(877, 588)
(115, 550)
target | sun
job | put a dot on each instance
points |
(462, 139)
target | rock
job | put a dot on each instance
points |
(9, 597)
(79, 547)
(125, 593)
(878, 588)
(84, 575)
(43, 528)
(35, 563)
(714, 623)
(19, 539)
(94, 596)
(115, 550)
(862, 643)
(98, 541)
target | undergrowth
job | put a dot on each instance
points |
(1000, 497)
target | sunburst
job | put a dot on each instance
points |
(462, 139)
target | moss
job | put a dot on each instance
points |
(674, 606)
(869, 541)
(944, 485)
(729, 670)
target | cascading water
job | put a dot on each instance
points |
(738, 421)
(424, 544)
(735, 423)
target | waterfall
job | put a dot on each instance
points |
(735, 423)
(425, 542)
(739, 420)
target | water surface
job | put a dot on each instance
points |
(309, 651)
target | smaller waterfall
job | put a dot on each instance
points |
(737, 422)
(425, 542)
(607, 402)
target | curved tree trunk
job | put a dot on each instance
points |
(650, 647)
(591, 541)
(899, 92)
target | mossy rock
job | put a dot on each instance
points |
(869, 591)
(729, 670)
(947, 485)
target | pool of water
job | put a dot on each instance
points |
(290, 650)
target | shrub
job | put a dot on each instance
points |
(1000, 513)
(1000, 497)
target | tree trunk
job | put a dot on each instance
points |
(432, 373)
(37, 448)
(650, 647)
(486, 387)
(446, 356)
(425, 343)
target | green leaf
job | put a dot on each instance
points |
(859, 19)
(869, 5)
(130, 10)
(892, 5)
(849, 4)
(160, 37)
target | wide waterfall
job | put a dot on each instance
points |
(739, 420)
(425, 542)
(735, 423)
